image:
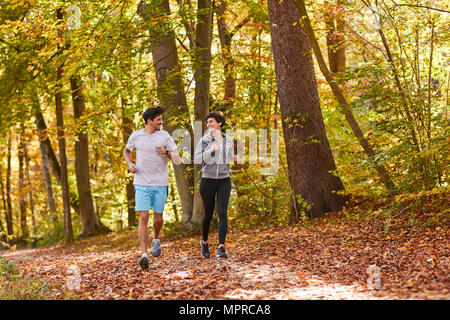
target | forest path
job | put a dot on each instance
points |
(283, 262)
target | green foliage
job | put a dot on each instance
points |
(7, 269)
(406, 120)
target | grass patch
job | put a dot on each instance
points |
(13, 286)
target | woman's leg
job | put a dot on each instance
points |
(208, 193)
(223, 196)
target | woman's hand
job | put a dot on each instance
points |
(214, 148)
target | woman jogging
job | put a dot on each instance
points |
(215, 152)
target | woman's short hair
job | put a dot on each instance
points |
(152, 113)
(218, 116)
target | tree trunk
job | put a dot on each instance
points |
(335, 41)
(90, 223)
(127, 129)
(43, 146)
(172, 97)
(203, 35)
(22, 202)
(9, 218)
(30, 187)
(174, 205)
(225, 37)
(310, 162)
(5, 208)
(68, 230)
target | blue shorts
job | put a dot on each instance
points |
(150, 196)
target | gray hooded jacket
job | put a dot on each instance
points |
(215, 166)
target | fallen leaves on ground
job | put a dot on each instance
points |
(328, 259)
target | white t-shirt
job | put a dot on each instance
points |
(151, 167)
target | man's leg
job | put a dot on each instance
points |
(142, 201)
(158, 202)
(143, 238)
(157, 224)
(143, 230)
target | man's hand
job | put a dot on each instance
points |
(132, 167)
(129, 160)
(161, 150)
(236, 159)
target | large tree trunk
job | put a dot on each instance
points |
(310, 162)
(68, 230)
(203, 35)
(90, 223)
(172, 97)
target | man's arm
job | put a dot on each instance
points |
(174, 156)
(129, 160)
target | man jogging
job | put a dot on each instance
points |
(151, 178)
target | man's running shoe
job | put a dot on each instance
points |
(144, 261)
(156, 248)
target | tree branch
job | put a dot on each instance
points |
(418, 6)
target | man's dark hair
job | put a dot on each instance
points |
(218, 116)
(152, 113)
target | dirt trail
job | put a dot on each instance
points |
(275, 263)
(116, 275)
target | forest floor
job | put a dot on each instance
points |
(327, 258)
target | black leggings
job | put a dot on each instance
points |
(208, 190)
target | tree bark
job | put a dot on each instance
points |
(43, 146)
(310, 162)
(68, 230)
(172, 97)
(90, 223)
(127, 129)
(203, 35)
(9, 218)
(335, 41)
(22, 202)
(5, 208)
(30, 187)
